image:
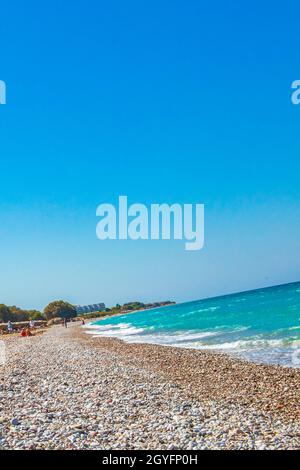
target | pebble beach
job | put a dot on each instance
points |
(65, 389)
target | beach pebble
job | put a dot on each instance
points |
(62, 391)
(15, 422)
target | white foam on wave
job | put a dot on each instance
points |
(167, 339)
(198, 311)
(99, 327)
(244, 345)
(131, 334)
(209, 309)
(257, 346)
(233, 346)
(119, 330)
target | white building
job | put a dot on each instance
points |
(90, 308)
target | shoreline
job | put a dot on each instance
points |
(218, 351)
(234, 378)
(65, 389)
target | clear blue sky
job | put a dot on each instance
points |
(163, 101)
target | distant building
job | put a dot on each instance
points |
(89, 308)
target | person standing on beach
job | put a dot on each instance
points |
(65, 323)
(10, 327)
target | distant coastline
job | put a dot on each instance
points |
(124, 310)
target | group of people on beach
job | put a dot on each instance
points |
(26, 331)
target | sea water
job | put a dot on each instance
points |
(260, 325)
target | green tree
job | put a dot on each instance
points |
(17, 314)
(61, 309)
(35, 315)
(4, 313)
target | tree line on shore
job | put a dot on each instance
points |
(15, 314)
(55, 309)
(131, 306)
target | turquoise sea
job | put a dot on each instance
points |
(261, 325)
